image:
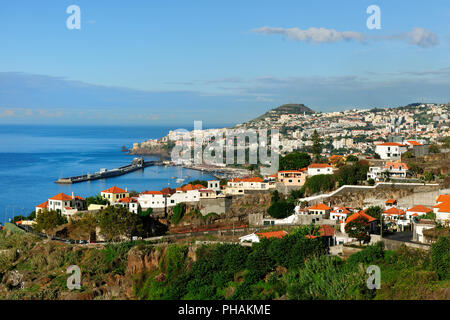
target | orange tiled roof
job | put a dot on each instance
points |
(391, 201)
(168, 191)
(293, 171)
(320, 206)
(444, 207)
(396, 165)
(419, 208)
(128, 200)
(43, 205)
(326, 231)
(443, 198)
(61, 197)
(391, 144)
(114, 190)
(190, 187)
(360, 214)
(394, 210)
(344, 210)
(272, 234)
(152, 192)
(414, 143)
(319, 165)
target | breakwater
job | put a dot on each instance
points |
(136, 164)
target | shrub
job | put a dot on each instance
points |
(440, 257)
(178, 212)
(368, 255)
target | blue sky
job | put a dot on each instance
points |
(163, 62)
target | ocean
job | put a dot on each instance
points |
(33, 157)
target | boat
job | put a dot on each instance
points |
(179, 180)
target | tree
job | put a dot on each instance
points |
(317, 146)
(358, 229)
(428, 176)
(47, 220)
(295, 160)
(117, 222)
(281, 209)
(275, 197)
(319, 183)
(375, 212)
(434, 148)
(96, 200)
(84, 227)
(17, 218)
(352, 158)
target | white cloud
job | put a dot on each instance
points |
(418, 36)
(317, 35)
(423, 38)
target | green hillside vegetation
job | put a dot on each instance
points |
(293, 267)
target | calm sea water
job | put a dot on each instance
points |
(33, 157)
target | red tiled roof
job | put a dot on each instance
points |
(319, 165)
(43, 205)
(326, 231)
(190, 187)
(128, 200)
(394, 210)
(414, 143)
(419, 208)
(344, 210)
(310, 236)
(168, 191)
(320, 206)
(152, 192)
(444, 207)
(61, 197)
(272, 234)
(360, 214)
(114, 190)
(391, 201)
(443, 198)
(396, 165)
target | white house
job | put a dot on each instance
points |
(131, 203)
(339, 213)
(390, 150)
(152, 199)
(213, 185)
(390, 170)
(319, 168)
(442, 208)
(417, 211)
(67, 205)
(239, 186)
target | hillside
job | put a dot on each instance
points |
(294, 267)
(290, 108)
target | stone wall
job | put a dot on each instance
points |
(390, 244)
(359, 196)
(219, 205)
